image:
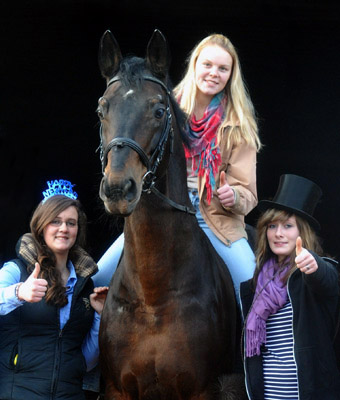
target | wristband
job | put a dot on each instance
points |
(16, 290)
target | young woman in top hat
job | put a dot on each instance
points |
(48, 329)
(291, 306)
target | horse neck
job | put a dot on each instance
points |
(153, 220)
(157, 238)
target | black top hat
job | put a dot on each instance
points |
(297, 195)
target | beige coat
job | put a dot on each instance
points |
(239, 163)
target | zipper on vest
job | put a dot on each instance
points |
(56, 365)
(297, 367)
(243, 345)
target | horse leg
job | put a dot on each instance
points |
(111, 393)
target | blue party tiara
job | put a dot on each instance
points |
(59, 187)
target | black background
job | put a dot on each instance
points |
(50, 84)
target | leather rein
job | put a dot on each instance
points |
(152, 163)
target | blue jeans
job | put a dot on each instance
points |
(239, 257)
(91, 380)
(108, 263)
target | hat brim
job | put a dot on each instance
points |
(265, 205)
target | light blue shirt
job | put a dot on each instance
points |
(10, 276)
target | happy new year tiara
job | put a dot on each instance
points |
(60, 187)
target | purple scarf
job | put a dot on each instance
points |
(270, 296)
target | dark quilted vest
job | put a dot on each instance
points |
(50, 363)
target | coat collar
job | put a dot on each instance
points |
(82, 261)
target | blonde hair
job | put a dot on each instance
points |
(240, 119)
(263, 252)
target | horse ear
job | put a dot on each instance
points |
(157, 54)
(109, 55)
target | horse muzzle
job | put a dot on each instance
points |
(120, 197)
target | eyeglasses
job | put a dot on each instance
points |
(69, 223)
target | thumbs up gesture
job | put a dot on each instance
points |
(33, 289)
(304, 259)
(225, 193)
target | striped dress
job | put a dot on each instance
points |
(279, 367)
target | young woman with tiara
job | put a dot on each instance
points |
(291, 305)
(221, 160)
(49, 309)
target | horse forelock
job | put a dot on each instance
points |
(131, 71)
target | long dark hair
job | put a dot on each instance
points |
(42, 216)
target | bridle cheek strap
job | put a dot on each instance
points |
(153, 162)
(121, 142)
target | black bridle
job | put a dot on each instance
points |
(153, 162)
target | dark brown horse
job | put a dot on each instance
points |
(168, 328)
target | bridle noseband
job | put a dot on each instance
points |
(153, 162)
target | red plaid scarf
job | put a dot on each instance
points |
(204, 151)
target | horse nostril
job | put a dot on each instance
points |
(112, 192)
(126, 190)
(129, 190)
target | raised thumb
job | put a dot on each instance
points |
(298, 245)
(36, 271)
(223, 179)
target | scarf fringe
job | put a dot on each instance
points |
(204, 151)
(270, 296)
(256, 337)
(207, 164)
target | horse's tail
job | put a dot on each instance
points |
(231, 387)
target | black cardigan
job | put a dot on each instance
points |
(316, 314)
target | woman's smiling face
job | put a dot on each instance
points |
(281, 236)
(213, 70)
(61, 233)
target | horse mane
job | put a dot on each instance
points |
(131, 72)
(181, 119)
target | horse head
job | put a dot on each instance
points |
(135, 117)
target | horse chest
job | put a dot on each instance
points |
(159, 354)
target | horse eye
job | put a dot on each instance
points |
(159, 113)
